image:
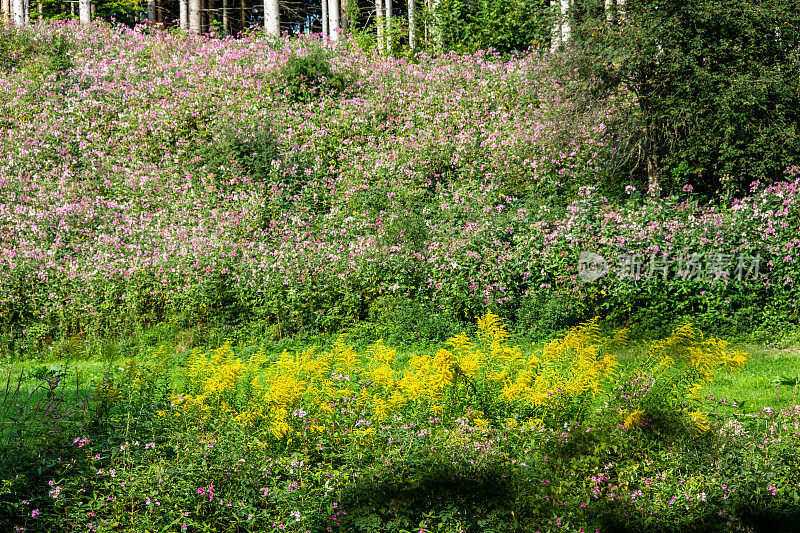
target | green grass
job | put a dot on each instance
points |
(368, 473)
(764, 380)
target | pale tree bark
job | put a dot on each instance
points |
(183, 14)
(566, 25)
(562, 27)
(19, 12)
(324, 19)
(344, 21)
(272, 17)
(151, 10)
(436, 28)
(609, 11)
(412, 25)
(85, 9)
(555, 32)
(6, 7)
(195, 16)
(40, 9)
(621, 13)
(226, 20)
(388, 4)
(379, 25)
(333, 15)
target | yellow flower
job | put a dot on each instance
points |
(634, 419)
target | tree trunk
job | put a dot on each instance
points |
(436, 30)
(6, 4)
(40, 9)
(19, 12)
(388, 4)
(379, 24)
(85, 8)
(622, 15)
(412, 25)
(555, 32)
(344, 18)
(183, 14)
(272, 17)
(324, 19)
(609, 10)
(652, 174)
(243, 13)
(562, 28)
(333, 15)
(195, 17)
(226, 20)
(566, 26)
(151, 11)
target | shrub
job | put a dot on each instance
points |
(306, 77)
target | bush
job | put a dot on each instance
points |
(306, 77)
(714, 86)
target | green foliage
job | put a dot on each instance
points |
(129, 467)
(407, 321)
(15, 47)
(505, 25)
(715, 85)
(306, 77)
(38, 57)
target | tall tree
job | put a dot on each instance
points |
(85, 9)
(562, 23)
(379, 25)
(714, 86)
(195, 16)
(555, 33)
(183, 14)
(272, 18)
(344, 17)
(151, 11)
(20, 12)
(325, 25)
(333, 16)
(388, 4)
(412, 25)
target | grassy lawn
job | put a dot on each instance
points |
(766, 380)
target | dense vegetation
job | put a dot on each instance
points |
(171, 205)
(478, 436)
(306, 187)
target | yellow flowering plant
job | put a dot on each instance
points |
(348, 394)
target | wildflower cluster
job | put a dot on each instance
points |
(221, 198)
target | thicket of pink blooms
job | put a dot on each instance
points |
(122, 195)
